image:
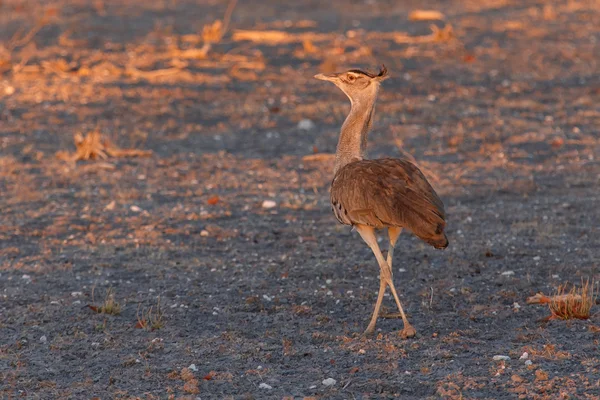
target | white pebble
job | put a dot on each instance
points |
(267, 297)
(501, 358)
(76, 294)
(528, 362)
(26, 277)
(265, 386)
(193, 367)
(135, 208)
(329, 382)
(508, 273)
(269, 204)
(524, 356)
(204, 233)
(306, 125)
(43, 339)
(537, 258)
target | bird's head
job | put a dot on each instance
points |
(356, 83)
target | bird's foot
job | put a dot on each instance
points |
(408, 331)
(368, 333)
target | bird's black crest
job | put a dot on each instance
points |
(382, 72)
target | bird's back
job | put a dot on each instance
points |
(389, 192)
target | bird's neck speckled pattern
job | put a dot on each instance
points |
(352, 144)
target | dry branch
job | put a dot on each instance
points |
(426, 15)
(94, 147)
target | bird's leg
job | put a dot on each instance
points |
(393, 233)
(385, 279)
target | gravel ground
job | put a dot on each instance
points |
(214, 268)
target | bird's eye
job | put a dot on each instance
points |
(351, 78)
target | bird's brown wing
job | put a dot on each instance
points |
(389, 192)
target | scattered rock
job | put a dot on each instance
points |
(508, 273)
(193, 367)
(524, 356)
(329, 382)
(204, 233)
(501, 358)
(135, 208)
(110, 206)
(269, 204)
(528, 362)
(76, 294)
(43, 339)
(267, 297)
(306, 125)
(265, 386)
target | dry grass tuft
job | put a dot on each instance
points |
(94, 147)
(110, 305)
(152, 319)
(574, 304)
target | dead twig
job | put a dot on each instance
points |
(95, 147)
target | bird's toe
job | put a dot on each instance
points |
(408, 332)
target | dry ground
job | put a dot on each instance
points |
(500, 105)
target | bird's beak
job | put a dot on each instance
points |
(324, 77)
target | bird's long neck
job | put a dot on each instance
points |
(352, 144)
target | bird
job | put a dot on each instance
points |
(373, 194)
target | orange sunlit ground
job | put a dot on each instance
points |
(165, 226)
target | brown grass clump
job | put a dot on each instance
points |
(152, 319)
(575, 304)
(110, 305)
(94, 147)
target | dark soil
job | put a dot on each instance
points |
(503, 116)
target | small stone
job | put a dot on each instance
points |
(269, 204)
(9, 90)
(76, 294)
(265, 386)
(306, 125)
(537, 258)
(501, 358)
(204, 233)
(43, 339)
(267, 297)
(508, 273)
(329, 382)
(135, 208)
(26, 277)
(193, 367)
(524, 356)
(528, 362)
(110, 206)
